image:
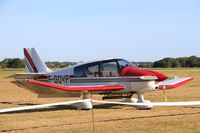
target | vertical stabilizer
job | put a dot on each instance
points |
(33, 62)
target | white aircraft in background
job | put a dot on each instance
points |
(112, 78)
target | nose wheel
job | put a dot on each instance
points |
(139, 99)
(142, 100)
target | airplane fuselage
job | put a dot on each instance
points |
(104, 68)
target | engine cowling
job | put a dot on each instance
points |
(136, 71)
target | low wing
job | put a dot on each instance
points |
(40, 106)
(189, 103)
(173, 83)
(38, 83)
(77, 88)
(50, 90)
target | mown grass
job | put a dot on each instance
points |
(107, 118)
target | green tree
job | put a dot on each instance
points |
(183, 61)
(176, 63)
(12, 63)
(15, 63)
(192, 61)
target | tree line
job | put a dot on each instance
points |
(19, 63)
(192, 61)
(12, 63)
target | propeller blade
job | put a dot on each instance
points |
(165, 96)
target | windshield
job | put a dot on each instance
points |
(125, 63)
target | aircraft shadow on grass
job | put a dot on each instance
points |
(6, 103)
(27, 104)
(49, 109)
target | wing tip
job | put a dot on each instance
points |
(172, 86)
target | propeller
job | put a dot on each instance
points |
(164, 95)
(163, 90)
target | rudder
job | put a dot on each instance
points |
(33, 62)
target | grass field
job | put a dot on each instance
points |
(115, 119)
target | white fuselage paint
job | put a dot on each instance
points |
(139, 87)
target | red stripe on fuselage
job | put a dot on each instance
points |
(30, 60)
(78, 88)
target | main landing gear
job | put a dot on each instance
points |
(87, 105)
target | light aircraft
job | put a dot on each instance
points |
(111, 78)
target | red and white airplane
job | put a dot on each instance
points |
(112, 78)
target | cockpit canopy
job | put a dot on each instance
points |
(104, 68)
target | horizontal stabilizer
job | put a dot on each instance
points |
(28, 75)
(173, 83)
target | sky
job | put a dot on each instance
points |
(82, 30)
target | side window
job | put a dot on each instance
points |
(79, 71)
(109, 69)
(93, 71)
